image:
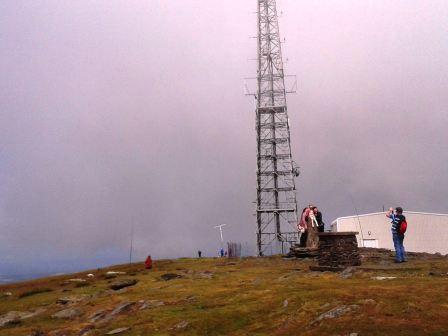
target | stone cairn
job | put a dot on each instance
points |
(337, 250)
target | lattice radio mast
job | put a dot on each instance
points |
(276, 190)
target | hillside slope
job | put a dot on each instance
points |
(251, 296)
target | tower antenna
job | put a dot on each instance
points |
(276, 191)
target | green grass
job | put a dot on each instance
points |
(246, 297)
(34, 291)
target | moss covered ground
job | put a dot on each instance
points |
(249, 296)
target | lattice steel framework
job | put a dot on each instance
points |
(276, 190)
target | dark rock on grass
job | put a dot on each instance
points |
(102, 316)
(67, 300)
(37, 332)
(228, 264)
(437, 273)
(206, 275)
(171, 276)
(180, 326)
(75, 280)
(98, 315)
(123, 284)
(10, 319)
(121, 308)
(67, 314)
(150, 304)
(319, 268)
(117, 331)
(5, 295)
(61, 332)
(335, 313)
(86, 330)
(347, 273)
(15, 317)
(113, 274)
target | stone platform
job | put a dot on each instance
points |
(337, 250)
(302, 252)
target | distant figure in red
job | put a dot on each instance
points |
(148, 263)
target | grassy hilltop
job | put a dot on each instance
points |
(251, 296)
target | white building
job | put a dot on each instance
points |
(426, 232)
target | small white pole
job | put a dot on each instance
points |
(220, 232)
(132, 242)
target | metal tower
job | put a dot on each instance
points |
(276, 191)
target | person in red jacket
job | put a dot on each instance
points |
(148, 262)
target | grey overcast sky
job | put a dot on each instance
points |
(113, 112)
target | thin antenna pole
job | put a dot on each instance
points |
(359, 222)
(220, 232)
(132, 242)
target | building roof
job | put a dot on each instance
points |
(383, 212)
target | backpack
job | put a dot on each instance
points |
(403, 226)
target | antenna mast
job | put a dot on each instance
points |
(276, 190)
(131, 247)
(220, 232)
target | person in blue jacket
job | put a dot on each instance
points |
(396, 219)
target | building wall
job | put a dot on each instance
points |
(426, 232)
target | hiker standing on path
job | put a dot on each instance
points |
(396, 219)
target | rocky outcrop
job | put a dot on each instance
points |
(98, 315)
(150, 304)
(335, 313)
(103, 316)
(123, 284)
(68, 300)
(67, 314)
(121, 308)
(15, 317)
(117, 331)
(171, 276)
